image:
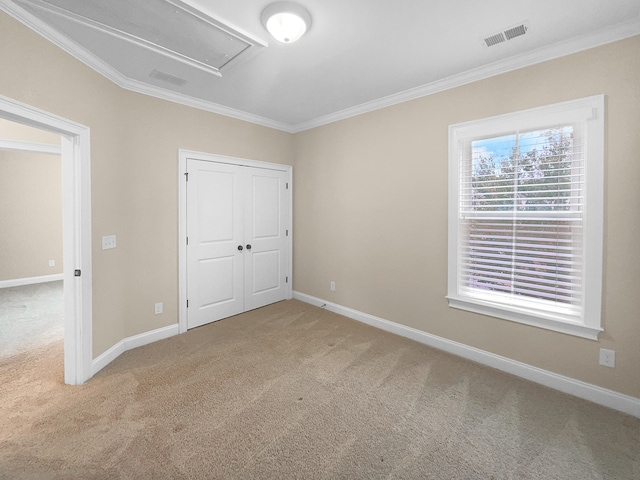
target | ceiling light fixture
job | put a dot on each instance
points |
(286, 21)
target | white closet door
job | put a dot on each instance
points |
(238, 251)
(266, 255)
(215, 231)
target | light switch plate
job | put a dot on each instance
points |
(108, 241)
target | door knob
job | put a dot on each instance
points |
(240, 247)
(249, 246)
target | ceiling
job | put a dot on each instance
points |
(358, 55)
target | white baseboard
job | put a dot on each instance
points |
(602, 396)
(129, 343)
(18, 282)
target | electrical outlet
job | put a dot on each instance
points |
(108, 241)
(52, 263)
(332, 285)
(607, 357)
(158, 308)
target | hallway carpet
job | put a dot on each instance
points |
(295, 391)
(30, 316)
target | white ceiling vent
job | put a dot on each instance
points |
(170, 28)
(507, 34)
(167, 77)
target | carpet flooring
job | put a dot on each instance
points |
(30, 316)
(294, 391)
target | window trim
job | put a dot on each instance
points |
(590, 112)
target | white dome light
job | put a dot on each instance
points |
(286, 21)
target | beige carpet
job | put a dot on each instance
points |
(294, 391)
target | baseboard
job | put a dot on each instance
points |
(602, 396)
(18, 282)
(129, 343)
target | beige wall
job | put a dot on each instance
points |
(370, 213)
(134, 160)
(15, 131)
(30, 214)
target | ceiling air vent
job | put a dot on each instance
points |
(505, 35)
(494, 39)
(167, 77)
(515, 31)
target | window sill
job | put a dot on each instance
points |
(546, 322)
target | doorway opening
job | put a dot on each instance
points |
(76, 232)
(31, 277)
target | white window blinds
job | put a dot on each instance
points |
(521, 198)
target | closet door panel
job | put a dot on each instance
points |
(265, 231)
(215, 230)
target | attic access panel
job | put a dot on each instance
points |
(169, 27)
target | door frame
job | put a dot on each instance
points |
(76, 232)
(183, 155)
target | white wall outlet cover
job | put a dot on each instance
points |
(607, 357)
(158, 308)
(108, 241)
(52, 263)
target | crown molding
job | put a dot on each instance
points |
(182, 99)
(575, 45)
(55, 37)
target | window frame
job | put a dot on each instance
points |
(589, 114)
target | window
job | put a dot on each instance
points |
(526, 216)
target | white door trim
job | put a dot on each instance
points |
(183, 155)
(33, 147)
(76, 205)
